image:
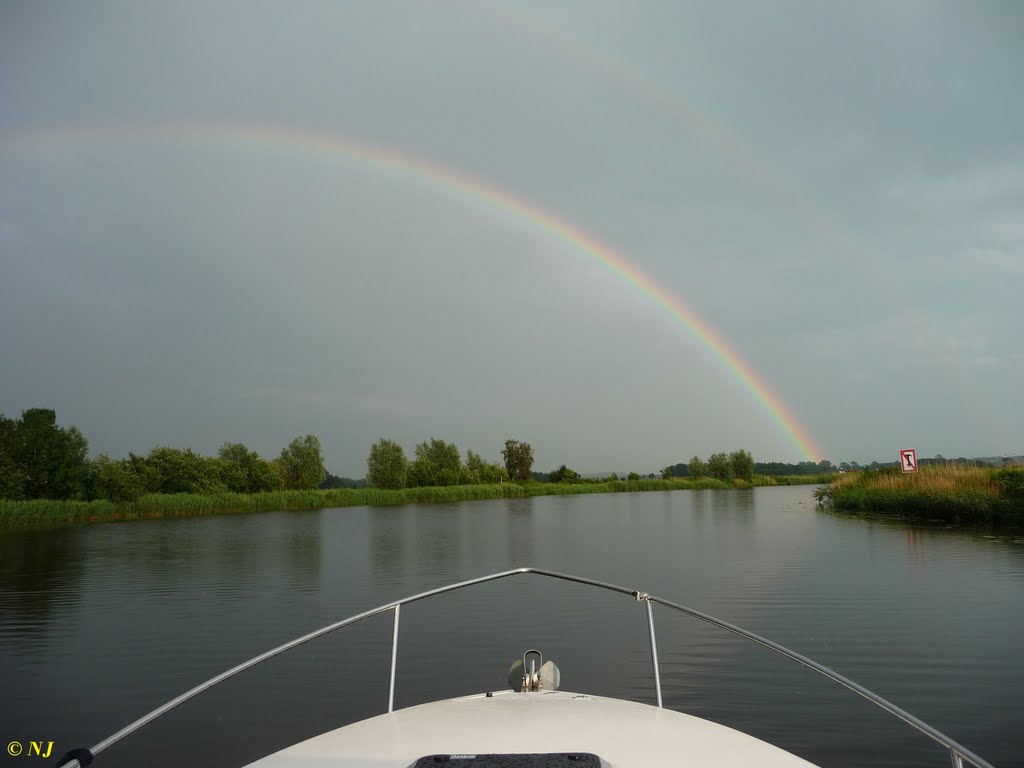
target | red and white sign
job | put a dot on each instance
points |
(908, 460)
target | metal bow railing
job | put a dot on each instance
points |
(959, 754)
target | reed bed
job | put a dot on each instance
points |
(953, 493)
(51, 513)
(822, 478)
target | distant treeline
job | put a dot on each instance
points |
(823, 467)
(40, 460)
(438, 463)
(333, 481)
(47, 478)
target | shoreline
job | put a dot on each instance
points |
(953, 494)
(46, 513)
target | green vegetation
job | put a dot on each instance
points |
(436, 463)
(742, 464)
(478, 471)
(387, 466)
(301, 464)
(518, 459)
(820, 479)
(254, 474)
(721, 466)
(952, 493)
(46, 477)
(697, 467)
(565, 475)
(48, 512)
(38, 459)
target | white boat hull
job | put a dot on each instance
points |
(624, 734)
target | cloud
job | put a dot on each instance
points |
(837, 190)
(987, 186)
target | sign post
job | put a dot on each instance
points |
(908, 460)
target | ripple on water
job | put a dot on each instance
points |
(98, 624)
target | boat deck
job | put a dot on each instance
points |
(623, 734)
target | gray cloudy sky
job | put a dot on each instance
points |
(836, 188)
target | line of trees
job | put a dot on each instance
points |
(40, 460)
(721, 466)
(698, 468)
(437, 462)
(565, 474)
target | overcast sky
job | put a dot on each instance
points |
(837, 189)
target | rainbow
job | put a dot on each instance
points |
(763, 395)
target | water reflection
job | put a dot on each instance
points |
(414, 540)
(739, 500)
(39, 576)
(101, 623)
(519, 522)
(472, 538)
(700, 501)
(391, 542)
(915, 548)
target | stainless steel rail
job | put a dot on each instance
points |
(957, 752)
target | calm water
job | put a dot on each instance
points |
(102, 623)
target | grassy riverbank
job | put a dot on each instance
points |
(49, 513)
(953, 493)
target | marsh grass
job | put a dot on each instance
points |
(819, 479)
(953, 493)
(49, 513)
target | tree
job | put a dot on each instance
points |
(742, 464)
(51, 461)
(719, 466)
(564, 475)
(177, 470)
(479, 470)
(245, 471)
(518, 459)
(387, 466)
(264, 476)
(436, 463)
(11, 482)
(301, 464)
(675, 470)
(698, 468)
(115, 480)
(473, 469)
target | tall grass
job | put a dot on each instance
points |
(819, 479)
(48, 513)
(952, 493)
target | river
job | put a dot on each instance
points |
(101, 623)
